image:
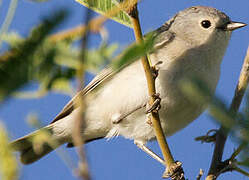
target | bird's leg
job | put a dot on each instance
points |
(117, 117)
(142, 146)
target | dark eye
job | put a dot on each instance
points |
(206, 24)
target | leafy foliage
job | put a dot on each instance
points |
(54, 63)
(105, 6)
(8, 163)
(134, 52)
(22, 65)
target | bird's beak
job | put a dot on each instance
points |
(233, 25)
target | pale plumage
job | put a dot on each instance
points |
(115, 102)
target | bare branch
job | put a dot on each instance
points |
(236, 152)
(83, 171)
(222, 133)
(241, 171)
(207, 138)
(173, 168)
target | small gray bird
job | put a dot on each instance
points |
(191, 44)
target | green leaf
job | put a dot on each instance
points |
(95, 58)
(62, 85)
(8, 162)
(30, 94)
(13, 39)
(104, 6)
(22, 65)
(134, 52)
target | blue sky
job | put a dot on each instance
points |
(120, 158)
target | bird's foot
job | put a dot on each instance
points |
(175, 171)
(155, 69)
(155, 107)
(148, 121)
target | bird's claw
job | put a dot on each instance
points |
(156, 104)
(149, 119)
(155, 69)
(175, 171)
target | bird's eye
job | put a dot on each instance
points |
(206, 24)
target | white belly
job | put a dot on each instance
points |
(176, 112)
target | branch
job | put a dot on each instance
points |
(237, 151)
(241, 171)
(83, 171)
(222, 133)
(172, 167)
(8, 19)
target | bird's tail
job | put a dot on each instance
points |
(36, 145)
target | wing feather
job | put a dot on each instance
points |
(69, 107)
(164, 36)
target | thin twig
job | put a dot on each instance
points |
(77, 139)
(83, 171)
(133, 12)
(8, 19)
(241, 171)
(200, 175)
(237, 151)
(76, 32)
(222, 132)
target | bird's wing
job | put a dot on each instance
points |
(68, 108)
(163, 36)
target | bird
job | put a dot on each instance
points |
(190, 44)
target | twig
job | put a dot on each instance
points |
(77, 139)
(241, 171)
(222, 133)
(133, 12)
(8, 19)
(83, 171)
(243, 162)
(200, 175)
(207, 138)
(237, 151)
(76, 32)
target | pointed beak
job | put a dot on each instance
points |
(234, 25)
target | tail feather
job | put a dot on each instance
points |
(29, 155)
(35, 145)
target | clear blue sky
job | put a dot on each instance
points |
(120, 158)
